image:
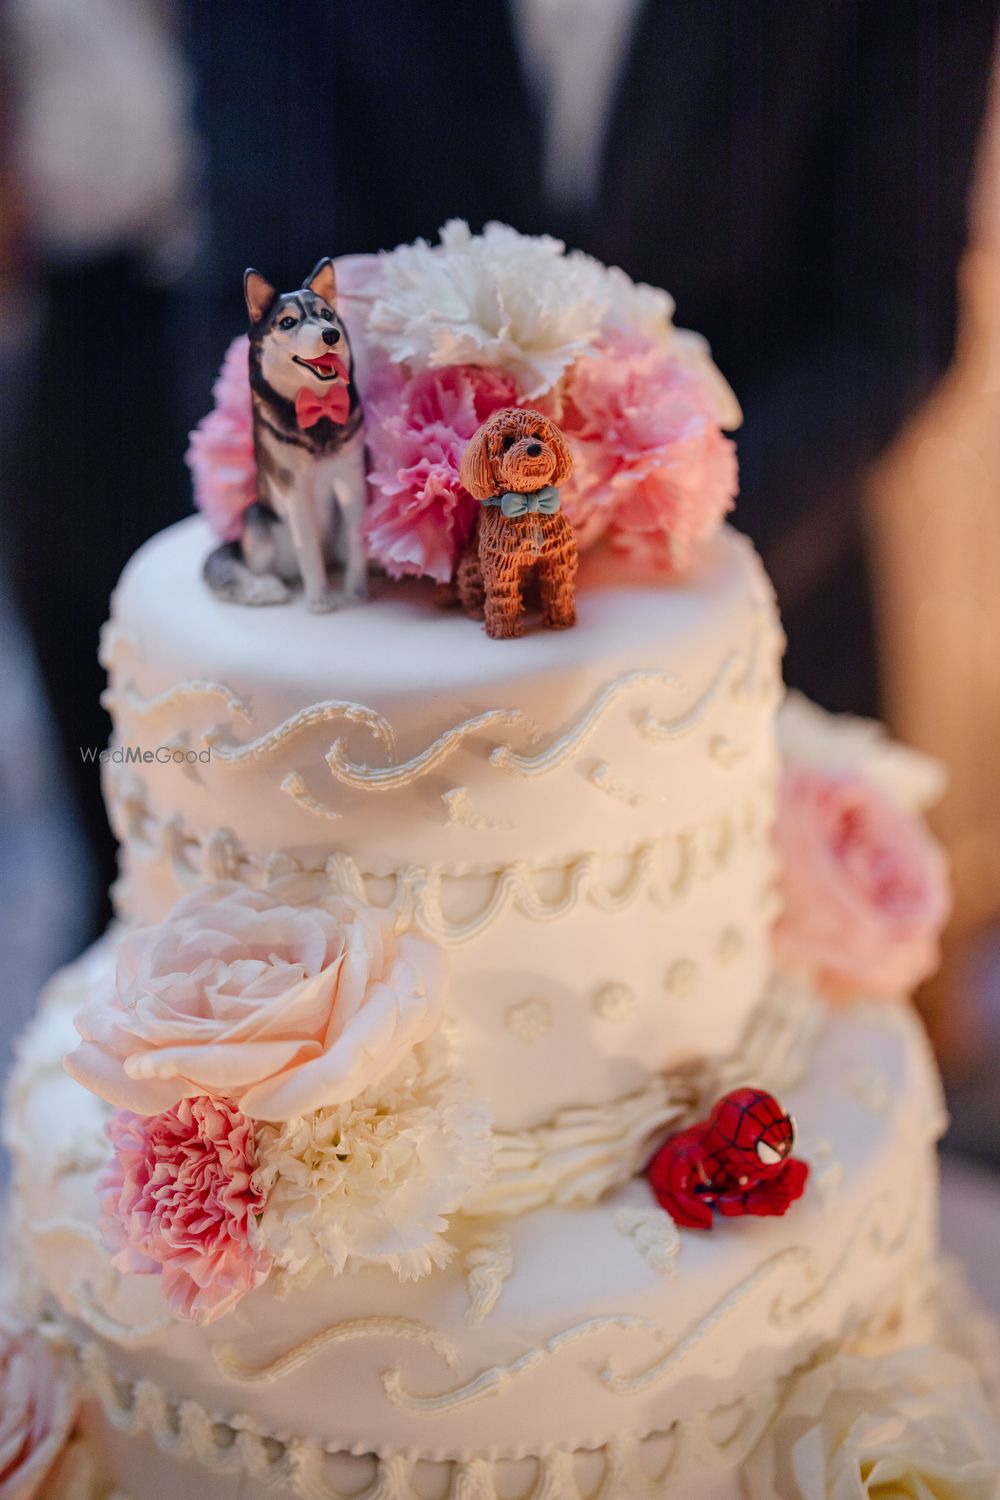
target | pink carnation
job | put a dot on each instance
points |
(421, 517)
(864, 886)
(652, 468)
(220, 453)
(38, 1401)
(179, 1198)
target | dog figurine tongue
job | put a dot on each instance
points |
(515, 465)
(309, 451)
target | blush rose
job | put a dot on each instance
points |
(38, 1402)
(864, 885)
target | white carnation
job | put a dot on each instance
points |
(500, 298)
(374, 1182)
(635, 304)
(842, 744)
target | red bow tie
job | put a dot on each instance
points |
(311, 406)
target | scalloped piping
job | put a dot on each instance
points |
(663, 870)
(185, 1430)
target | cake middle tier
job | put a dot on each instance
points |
(582, 818)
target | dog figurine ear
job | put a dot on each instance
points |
(476, 469)
(322, 280)
(564, 463)
(259, 293)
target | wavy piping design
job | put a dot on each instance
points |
(319, 713)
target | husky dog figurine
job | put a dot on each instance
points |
(309, 450)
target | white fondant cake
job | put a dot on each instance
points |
(580, 818)
(369, 1238)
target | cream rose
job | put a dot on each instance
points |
(913, 1424)
(281, 1001)
(37, 1408)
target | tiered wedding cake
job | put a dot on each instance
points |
(428, 941)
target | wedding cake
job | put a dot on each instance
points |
(380, 1149)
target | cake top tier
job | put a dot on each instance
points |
(397, 732)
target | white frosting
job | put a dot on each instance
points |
(554, 810)
(582, 819)
(569, 1328)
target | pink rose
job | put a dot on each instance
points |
(421, 517)
(220, 453)
(864, 885)
(179, 1198)
(283, 1001)
(38, 1401)
(652, 469)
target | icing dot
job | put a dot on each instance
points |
(530, 1020)
(872, 1089)
(615, 1002)
(730, 945)
(682, 977)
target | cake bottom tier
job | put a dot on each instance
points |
(572, 1352)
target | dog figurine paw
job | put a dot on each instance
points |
(515, 465)
(309, 450)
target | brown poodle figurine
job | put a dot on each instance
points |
(515, 464)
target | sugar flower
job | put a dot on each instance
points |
(220, 453)
(653, 470)
(179, 1200)
(500, 298)
(282, 1001)
(421, 517)
(843, 743)
(38, 1402)
(637, 308)
(864, 886)
(913, 1423)
(375, 1181)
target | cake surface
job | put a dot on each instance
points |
(579, 818)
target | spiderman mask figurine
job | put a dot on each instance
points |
(738, 1161)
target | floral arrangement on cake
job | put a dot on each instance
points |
(445, 335)
(864, 884)
(911, 1423)
(281, 1074)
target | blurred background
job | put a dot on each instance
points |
(818, 185)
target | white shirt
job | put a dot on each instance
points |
(573, 53)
